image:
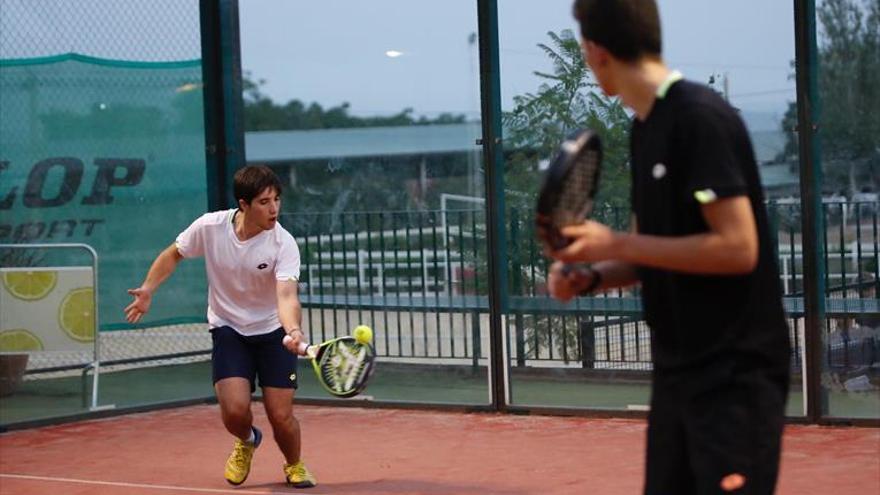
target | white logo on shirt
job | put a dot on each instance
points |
(658, 171)
(705, 196)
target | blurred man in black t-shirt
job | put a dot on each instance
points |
(701, 249)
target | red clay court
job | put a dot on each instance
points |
(388, 451)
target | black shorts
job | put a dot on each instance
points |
(698, 436)
(252, 357)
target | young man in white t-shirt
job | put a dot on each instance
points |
(253, 265)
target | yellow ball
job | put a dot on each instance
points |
(363, 334)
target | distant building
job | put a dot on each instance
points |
(419, 146)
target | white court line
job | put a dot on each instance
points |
(132, 485)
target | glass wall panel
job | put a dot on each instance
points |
(101, 143)
(849, 139)
(595, 351)
(371, 118)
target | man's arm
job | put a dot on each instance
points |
(566, 284)
(290, 311)
(730, 247)
(162, 268)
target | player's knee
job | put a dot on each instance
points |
(732, 482)
(236, 411)
(280, 416)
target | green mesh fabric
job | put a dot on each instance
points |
(111, 154)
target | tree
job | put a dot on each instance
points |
(261, 113)
(849, 97)
(566, 100)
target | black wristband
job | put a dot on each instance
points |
(595, 283)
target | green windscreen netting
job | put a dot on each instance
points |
(102, 144)
(107, 153)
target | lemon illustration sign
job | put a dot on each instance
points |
(19, 340)
(77, 314)
(46, 309)
(30, 285)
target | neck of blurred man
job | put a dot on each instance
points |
(638, 82)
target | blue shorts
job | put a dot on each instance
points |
(252, 357)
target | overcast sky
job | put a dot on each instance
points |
(334, 51)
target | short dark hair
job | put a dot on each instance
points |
(250, 181)
(629, 29)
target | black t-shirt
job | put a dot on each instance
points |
(692, 148)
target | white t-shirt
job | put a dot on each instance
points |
(241, 274)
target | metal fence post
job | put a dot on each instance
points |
(806, 56)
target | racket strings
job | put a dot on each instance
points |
(344, 367)
(577, 190)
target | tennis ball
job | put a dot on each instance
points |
(363, 334)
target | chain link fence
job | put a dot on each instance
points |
(101, 143)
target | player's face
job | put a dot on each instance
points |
(597, 59)
(263, 210)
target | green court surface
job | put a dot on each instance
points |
(43, 399)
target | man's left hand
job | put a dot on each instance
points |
(591, 242)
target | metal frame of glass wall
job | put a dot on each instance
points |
(811, 201)
(225, 153)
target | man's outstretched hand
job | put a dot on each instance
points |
(141, 304)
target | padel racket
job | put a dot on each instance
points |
(570, 185)
(343, 364)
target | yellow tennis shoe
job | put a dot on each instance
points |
(298, 475)
(238, 465)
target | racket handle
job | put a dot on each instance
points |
(595, 276)
(302, 349)
(305, 349)
(569, 269)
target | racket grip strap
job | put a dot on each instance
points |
(302, 349)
